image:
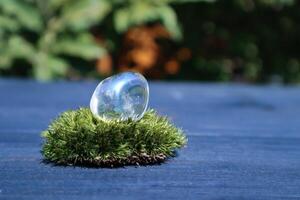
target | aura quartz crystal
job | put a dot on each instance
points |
(121, 97)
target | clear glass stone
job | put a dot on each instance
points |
(121, 97)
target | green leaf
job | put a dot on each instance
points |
(83, 46)
(169, 20)
(55, 4)
(8, 24)
(137, 13)
(121, 20)
(81, 14)
(190, 1)
(25, 13)
(5, 61)
(48, 67)
(18, 47)
(142, 12)
(13, 48)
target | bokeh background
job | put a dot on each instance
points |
(253, 41)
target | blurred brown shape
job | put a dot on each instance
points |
(146, 49)
(144, 57)
(172, 67)
(104, 65)
(184, 54)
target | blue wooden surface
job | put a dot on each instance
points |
(244, 143)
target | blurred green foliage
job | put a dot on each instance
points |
(244, 40)
(45, 33)
(39, 32)
(249, 40)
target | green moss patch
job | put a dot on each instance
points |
(78, 138)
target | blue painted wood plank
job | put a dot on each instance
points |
(244, 143)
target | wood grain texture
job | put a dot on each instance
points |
(244, 143)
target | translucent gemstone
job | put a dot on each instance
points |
(121, 97)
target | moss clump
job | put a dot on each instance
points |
(78, 138)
